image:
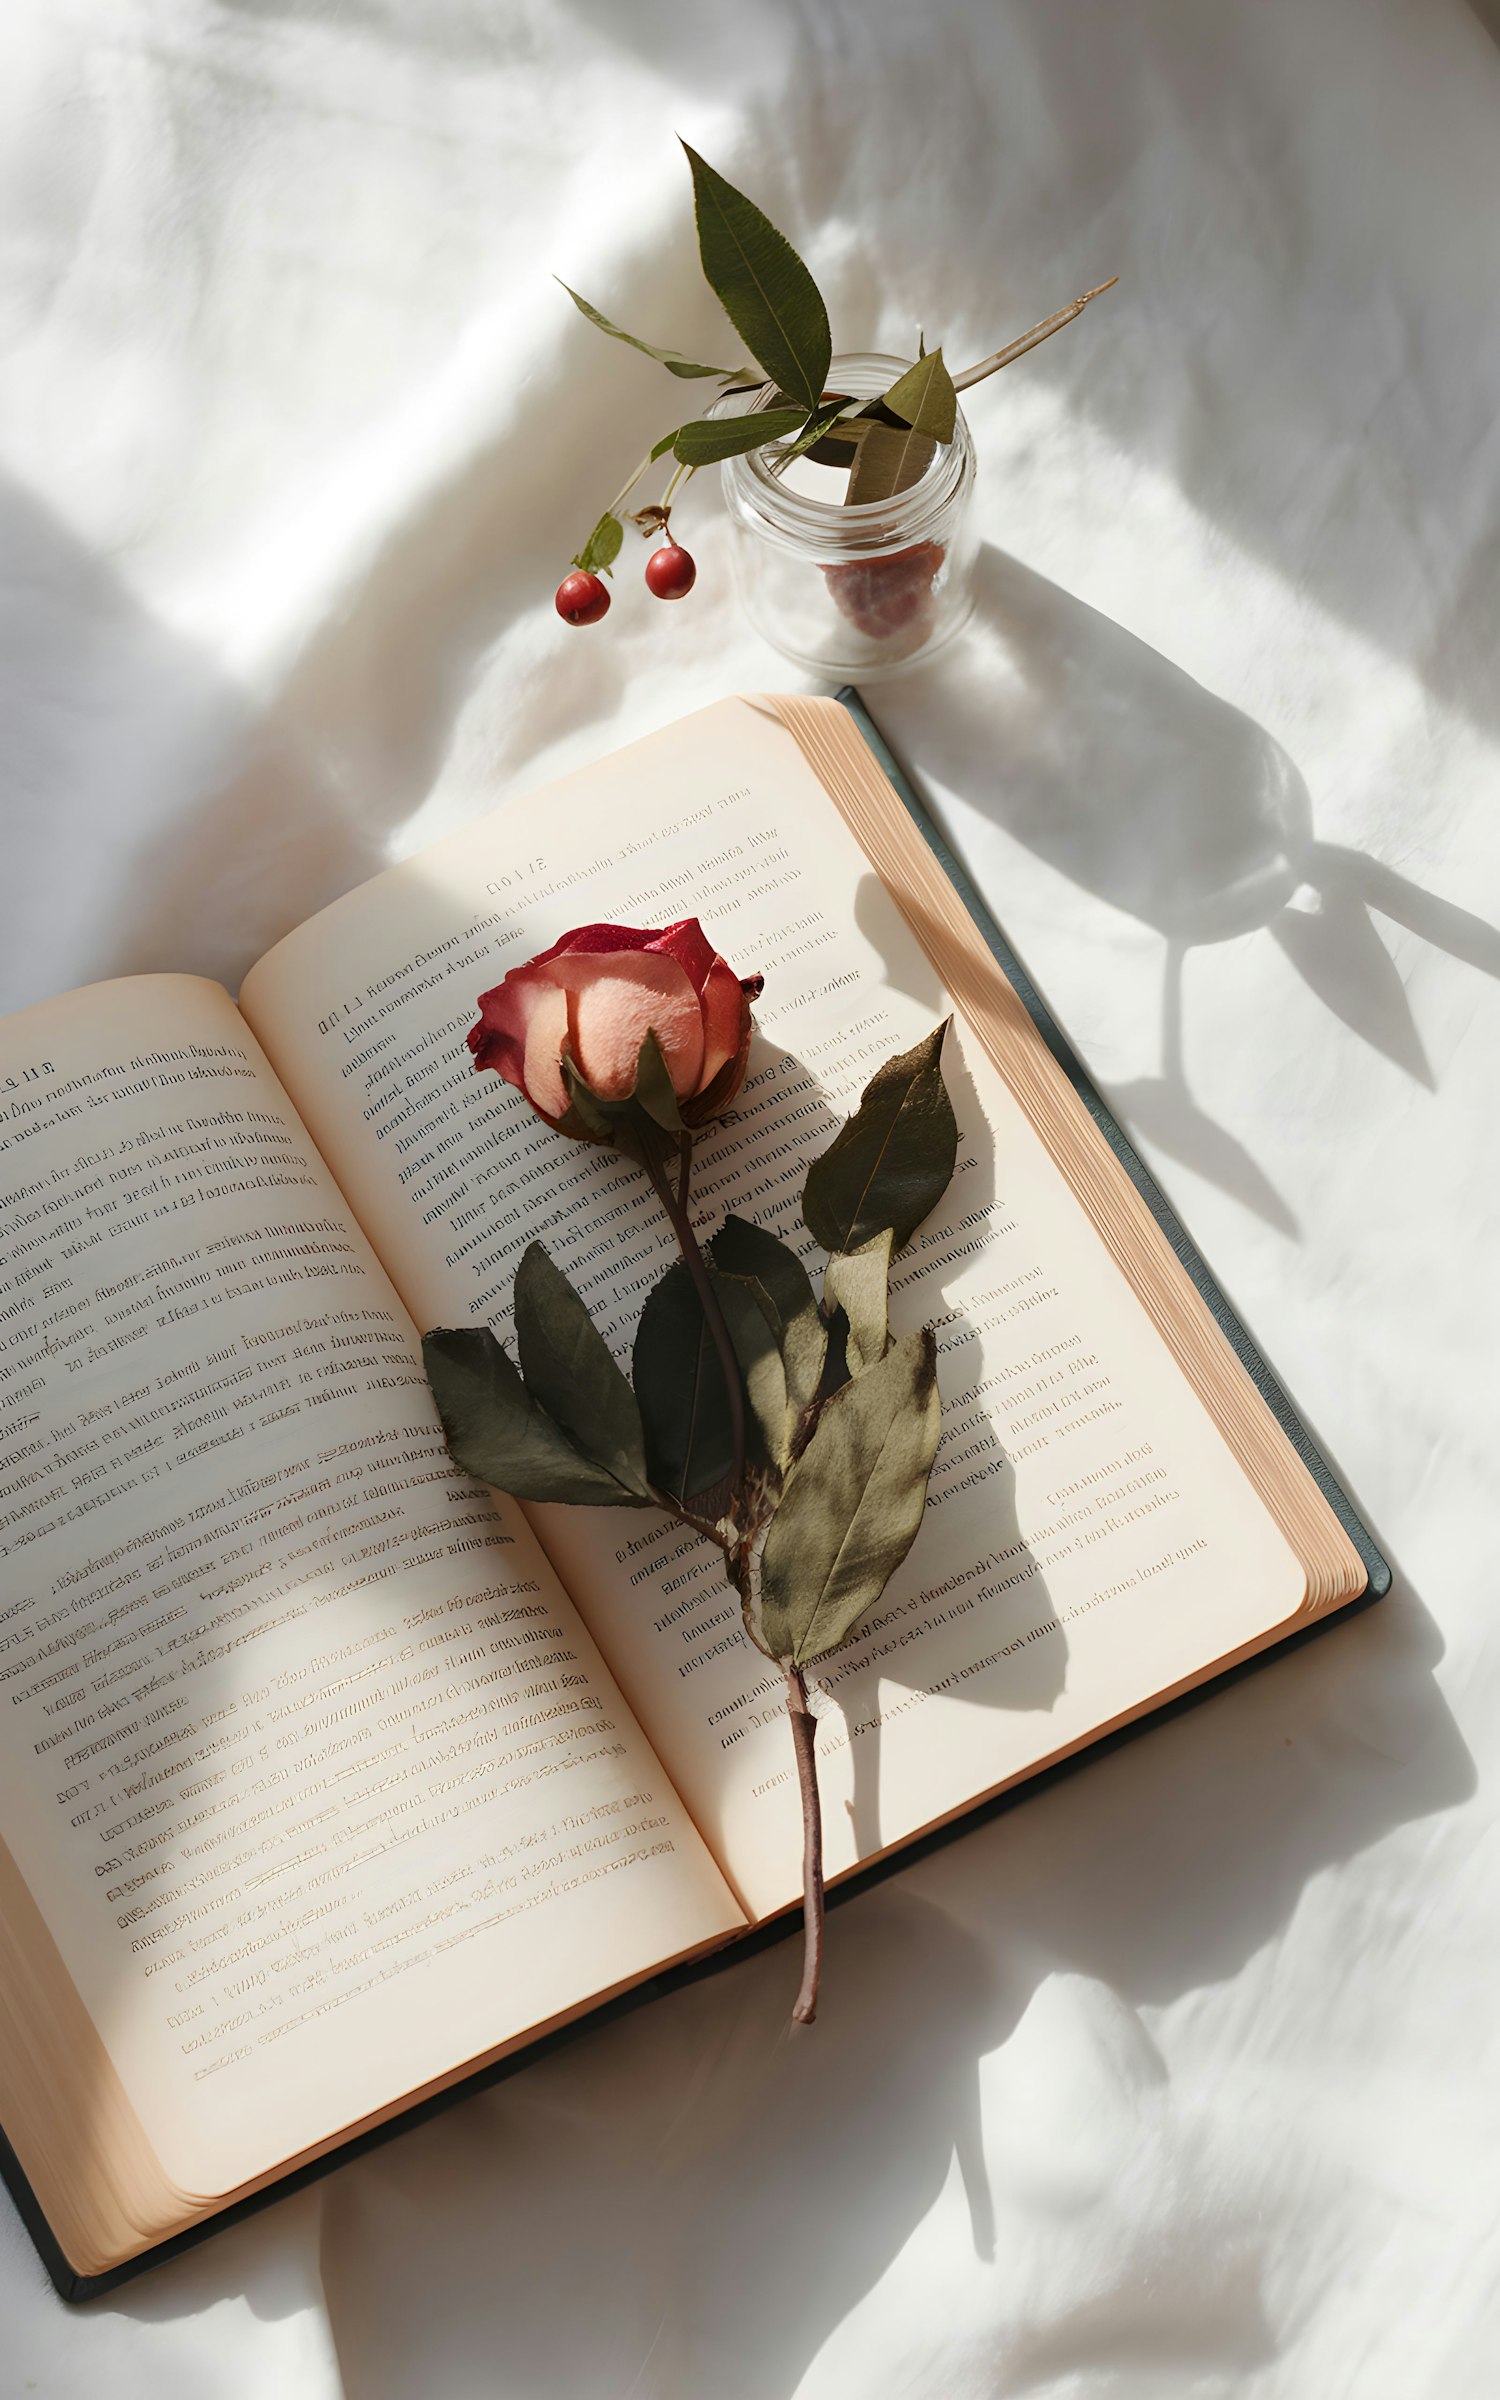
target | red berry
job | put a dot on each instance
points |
(884, 596)
(582, 599)
(670, 573)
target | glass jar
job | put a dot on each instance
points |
(852, 593)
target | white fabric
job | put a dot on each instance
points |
(1180, 2079)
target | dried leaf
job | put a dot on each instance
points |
(679, 1384)
(672, 360)
(852, 1504)
(858, 1282)
(747, 1313)
(649, 1109)
(708, 439)
(893, 1160)
(819, 423)
(765, 290)
(743, 1249)
(569, 1367)
(925, 397)
(498, 1432)
(890, 459)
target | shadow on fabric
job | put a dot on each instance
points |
(1126, 776)
(694, 2198)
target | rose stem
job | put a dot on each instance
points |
(675, 1204)
(1029, 341)
(804, 1742)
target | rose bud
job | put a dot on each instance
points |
(594, 997)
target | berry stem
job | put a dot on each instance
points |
(626, 489)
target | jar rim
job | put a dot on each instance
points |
(868, 525)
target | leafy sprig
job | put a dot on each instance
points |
(775, 307)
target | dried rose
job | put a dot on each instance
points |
(594, 997)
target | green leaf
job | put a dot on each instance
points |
(766, 292)
(893, 1160)
(654, 1088)
(820, 423)
(852, 1504)
(925, 398)
(569, 1368)
(641, 1117)
(836, 1367)
(890, 459)
(747, 1314)
(585, 1109)
(841, 447)
(679, 1384)
(672, 360)
(709, 439)
(858, 1282)
(740, 1248)
(498, 1432)
(664, 445)
(602, 547)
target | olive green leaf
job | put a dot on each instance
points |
(708, 439)
(852, 1504)
(651, 1107)
(858, 1282)
(831, 432)
(602, 548)
(680, 1386)
(672, 360)
(569, 1368)
(820, 423)
(498, 1432)
(841, 447)
(889, 459)
(654, 1088)
(742, 1249)
(836, 1368)
(585, 1109)
(748, 1313)
(765, 290)
(925, 397)
(893, 1160)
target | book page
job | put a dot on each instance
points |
(1089, 1539)
(310, 1766)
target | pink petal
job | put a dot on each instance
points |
(546, 1033)
(723, 1006)
(616, 999)
(523, 1024)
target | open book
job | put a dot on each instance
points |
(328, 1778)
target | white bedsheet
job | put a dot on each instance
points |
(1182, 2078)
